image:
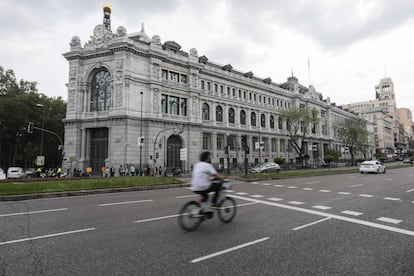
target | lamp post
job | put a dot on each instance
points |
(43, 126)
(140, 144)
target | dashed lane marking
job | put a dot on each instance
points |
(321, 207)
(409, 191)
(275, 199)
(364, 195)
(338, 217)
(344, 193)
(242, 193)
(390, 220)
(125, 202)
(34, 212)
(356, 185)
(257, 196)
(389, 179)
(278, 185)
(229, 191)
(324, 191)
(307, 189)
(185, 196)
(392, 198)
(352, 213)
(255, 182)
(266, 184)
(296, 202)
(292, 187)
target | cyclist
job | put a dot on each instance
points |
(203, 174)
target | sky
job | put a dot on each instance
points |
(341, 47)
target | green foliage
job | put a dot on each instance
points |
(359, 160)
(328, 159)
(18, 101)
(278, 160)
(334, 153)
(353, 134)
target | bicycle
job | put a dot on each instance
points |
(192, 214)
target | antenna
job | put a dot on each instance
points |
(309, 72)
(385, 70)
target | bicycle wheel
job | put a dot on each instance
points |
(227, 210)
(189, 217)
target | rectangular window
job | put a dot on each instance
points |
(208, 86)
(232, 142)
(164, 74)
(250, 96)
(244, 94)
(164, 101)
(206, 141)
(254, 97)
(221, 89)
(274, 145)
(260, 98)
(220, 141)
(173, 105)
(240, 93)
(254, 141)
(183, 107)
(174, 76)
(203, 85)
(184, 78)
(234, 92)
(215, 87)
(228, 91)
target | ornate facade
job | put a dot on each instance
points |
(126, 86)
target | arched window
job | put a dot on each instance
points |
(206, 112)
(262, 120)
(219, 114)
(253, 119)
(231, 115)
(101, 91)
(243, 117)
(272, 121)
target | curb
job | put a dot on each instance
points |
(90, 192)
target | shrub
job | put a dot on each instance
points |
(279, 160)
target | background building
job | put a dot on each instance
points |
(135, 100)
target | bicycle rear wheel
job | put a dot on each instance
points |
(189, 217)
(227, 210)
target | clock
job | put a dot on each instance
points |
(99, 31)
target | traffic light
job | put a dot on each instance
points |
(140, 141)
(247, 150)
(30, 127)
(244, 140)
(157, 155)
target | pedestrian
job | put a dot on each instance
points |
(160, 170)
(132, 170)
(112, 171)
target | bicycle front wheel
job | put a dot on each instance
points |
(189, 217)
(227, 210)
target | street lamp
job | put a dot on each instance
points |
(42, 123)
(140, 144)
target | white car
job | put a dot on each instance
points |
(2, 174)
(266, 168)
(374, 166)
(16, 172)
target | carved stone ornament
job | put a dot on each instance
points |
(156, 40)
(193, 52)
(121, 32)
(75, 43)
(100, 36)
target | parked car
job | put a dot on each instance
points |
(374, 166)
(408, 160)
(16, 172)
(265, 168)
(2, 174)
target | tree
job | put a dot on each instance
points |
(18, 101)
(354, 135)
(335, 154)
(299, 122)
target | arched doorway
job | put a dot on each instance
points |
(174, 144)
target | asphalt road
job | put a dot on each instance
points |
(348, 224)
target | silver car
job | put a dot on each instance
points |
(266, 168)
(2, 174)
(374, 166)
(16, 172)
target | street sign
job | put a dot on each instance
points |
(183, 154)
(40, 160)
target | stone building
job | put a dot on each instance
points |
(137, 100)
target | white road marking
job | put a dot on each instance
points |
(338, 217)
(364, 195)
(392, 198)
(255, 182)
(325, 191)
(312, 223)
(278, 186)
(409, 191)
(296, 202)
(356, 185)
(266, 184)
(48, 236)
(228, 250)
(344, 193)
(313, 182)
(292, 187)
(33, 212)
(186, 196)
(157, 218)
(229, 191)
(389, 179)
(307, 189)
(390, 220)
(242, 193)
(352, 213)
(125, 202)
(257, 196)
(321, 207)
(275, 199)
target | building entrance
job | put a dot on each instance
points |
(99, 149)
(174, 145)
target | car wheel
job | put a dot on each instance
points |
(384, 170)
